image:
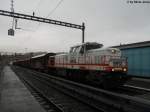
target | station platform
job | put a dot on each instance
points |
(14, 96)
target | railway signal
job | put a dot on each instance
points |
(11, 32)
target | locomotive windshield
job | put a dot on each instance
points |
(118, 62)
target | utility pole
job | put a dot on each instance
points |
(83, 31)
(12, 10)
(11, 31)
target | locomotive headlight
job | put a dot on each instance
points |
(113, 51)
(113, 70)
(124, 69)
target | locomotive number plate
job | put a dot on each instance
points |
(118, 69)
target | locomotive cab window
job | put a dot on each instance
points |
(77, 49)
(81, 49)
(72, 50)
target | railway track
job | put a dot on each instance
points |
(44, 100)
(92, 98)
(1, 68)
(63, 101)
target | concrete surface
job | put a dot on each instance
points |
(139, 82)
(14, 96)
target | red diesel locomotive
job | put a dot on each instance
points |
(88, 62)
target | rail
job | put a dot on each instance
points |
(45, 85)
(98, 98)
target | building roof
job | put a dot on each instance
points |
(133, 45)
(37, 56)
(42, 55)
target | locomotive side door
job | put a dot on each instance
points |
(81, 54)
(72, 55)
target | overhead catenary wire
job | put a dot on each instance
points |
(33, 13)
(52, 11)
(15, 21)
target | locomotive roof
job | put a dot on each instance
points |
(88, 43)
(101, 49)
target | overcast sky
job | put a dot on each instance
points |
(110, 22)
